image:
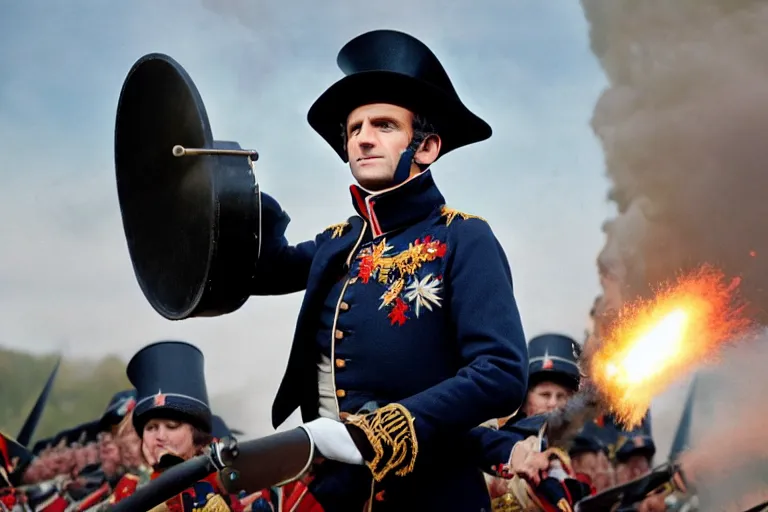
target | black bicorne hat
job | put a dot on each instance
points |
(554, 357)
(119, 405)
(169, 377)
(387, 66)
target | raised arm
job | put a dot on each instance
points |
(282, 268)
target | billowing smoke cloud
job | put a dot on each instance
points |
(727, 462)
(684, 127)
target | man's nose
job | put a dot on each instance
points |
(366, 135)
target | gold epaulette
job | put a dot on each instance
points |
(451, 213)
(392, 435)
(337, 229)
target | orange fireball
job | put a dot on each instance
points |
(655, 342)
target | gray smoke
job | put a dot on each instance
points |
(727, 462)
(683, 127)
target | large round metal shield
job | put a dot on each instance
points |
(190, 222)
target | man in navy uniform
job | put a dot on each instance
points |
(409, 333)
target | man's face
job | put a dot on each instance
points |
(544, 397)
(108, 453)
(376, 136)
(634, 467)
(597, 466)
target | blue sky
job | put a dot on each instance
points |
(66, 282)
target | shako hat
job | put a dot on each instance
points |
(119, 405)
(636, 444)
(387, 66)
(554, 357)
(169, 377)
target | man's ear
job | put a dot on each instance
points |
(428, 150)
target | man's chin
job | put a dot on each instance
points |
(373, 179)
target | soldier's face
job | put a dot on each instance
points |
(108, 453)
(545, 397)
(165, 436)
(635, 467)
(376, 137)
(597, 466)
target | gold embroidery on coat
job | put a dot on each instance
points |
(215, 503)
(451, 213)
(392, 434)
(337, 229)
(405, 290)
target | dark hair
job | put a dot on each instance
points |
(200, 438)
(561, 379)
(422, 129)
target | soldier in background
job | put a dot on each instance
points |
(512, 451)
(634, 457)
(589, 456)
(174, 422)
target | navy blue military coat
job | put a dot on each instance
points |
(413, 303)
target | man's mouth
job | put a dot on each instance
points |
(364, 158)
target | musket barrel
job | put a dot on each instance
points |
(173, 481)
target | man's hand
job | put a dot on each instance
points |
(333, 441)
(527, 461)
(653, 503)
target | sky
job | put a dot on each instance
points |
(66, 281)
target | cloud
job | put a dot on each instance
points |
(65, 276)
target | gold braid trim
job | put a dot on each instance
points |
(215, 503)
(506, 503)
(392, 435)
(451, 213)
(337, 229)
(561, 454)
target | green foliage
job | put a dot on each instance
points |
(80, 392)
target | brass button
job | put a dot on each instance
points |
(341, 393)
(339, 334)
(343, 306)
(340, 363)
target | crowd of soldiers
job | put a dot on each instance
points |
(603, 454)
(102, 461)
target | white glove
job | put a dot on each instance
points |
(333, 441)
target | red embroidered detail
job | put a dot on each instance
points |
(405, 290)
(397, 315)
(159, 400)
(381, 495)
(503, 471)
(8, 500)
(548, 364)
(366, 268)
